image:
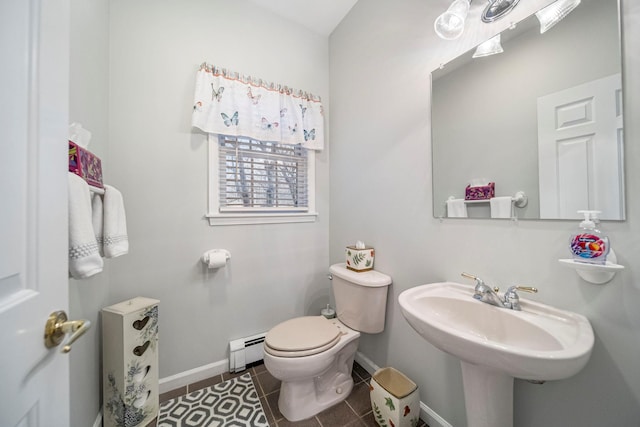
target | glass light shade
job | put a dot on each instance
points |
(490, 47)
(450, 24)
(552, 14)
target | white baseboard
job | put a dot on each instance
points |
(431, 417)
(193, 375)
(427, 414)
(98, 421)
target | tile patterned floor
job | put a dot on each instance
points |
(355, 411)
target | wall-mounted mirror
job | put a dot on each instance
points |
(543, 118)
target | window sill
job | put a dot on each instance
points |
(257, 218)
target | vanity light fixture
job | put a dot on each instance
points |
(496, 9)
(490, 47)
(450, 24)
(552, 14)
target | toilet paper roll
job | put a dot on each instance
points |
(215, 259)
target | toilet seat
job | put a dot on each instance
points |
(302, 336)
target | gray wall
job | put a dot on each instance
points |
(89, 105)
(160, 164)
(495, 99)
(132, 79)
(381, 57)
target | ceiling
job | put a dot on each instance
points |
(321, 17)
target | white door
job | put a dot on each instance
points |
(580, 150)
(34, 47)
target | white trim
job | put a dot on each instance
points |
(98, 421)
(427, 414)
(366, 363)
(193, 375)
(215, 217)
(430, 417)
(263, 218)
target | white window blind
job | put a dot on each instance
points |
(261, 176)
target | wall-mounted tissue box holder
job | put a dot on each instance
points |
(480, 192)
(85, 164)
(359, 259)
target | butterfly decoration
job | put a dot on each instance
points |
(389, 402)
(309, 134)
(283, 112)
(217, 96)
(303, 109)
(228, 121)
(266, 125)
(197, 106)
(254, 98)
(293, 129)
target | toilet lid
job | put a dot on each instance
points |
(303, 334)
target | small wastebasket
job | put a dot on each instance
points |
(394, 398)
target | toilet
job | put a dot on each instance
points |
(313, 356)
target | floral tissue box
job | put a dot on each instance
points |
(85, 164)
(359, 259)
(480, 192)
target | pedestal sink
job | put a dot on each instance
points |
(497, 344)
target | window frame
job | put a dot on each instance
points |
(216, 216)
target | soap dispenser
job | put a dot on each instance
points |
(589, 245)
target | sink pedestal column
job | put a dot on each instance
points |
(488, 396)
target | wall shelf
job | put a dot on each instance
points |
(519, 200)
(595, 273)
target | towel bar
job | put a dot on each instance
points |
(96, 190)
(519, 200)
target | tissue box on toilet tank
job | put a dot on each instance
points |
(85, 164)
(482, 192)
(395, 399)
(359, 259)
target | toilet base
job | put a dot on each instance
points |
(302, 400)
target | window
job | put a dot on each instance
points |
(253, 182)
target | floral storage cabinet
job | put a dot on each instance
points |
(130, 362)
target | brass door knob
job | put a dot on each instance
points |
(58, 326)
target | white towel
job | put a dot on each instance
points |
(116, 241)
(456, 208)
(501, 207)
(97, 219)
(84, 258)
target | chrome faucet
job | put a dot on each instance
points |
(484, 293)
(511, 298)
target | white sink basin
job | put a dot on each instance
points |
(538, 343)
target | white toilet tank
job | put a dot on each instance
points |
(361, 298)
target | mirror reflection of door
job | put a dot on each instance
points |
(580, 155)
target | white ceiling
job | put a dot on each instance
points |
(320, 16)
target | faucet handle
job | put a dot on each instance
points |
(478, 280)
(511, 299)
(470, 276)
(529, 289)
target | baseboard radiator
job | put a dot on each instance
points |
(245, 351)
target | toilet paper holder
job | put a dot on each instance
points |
(208, 256)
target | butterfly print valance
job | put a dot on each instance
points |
(228, 103)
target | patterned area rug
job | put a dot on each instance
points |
(231, 403)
